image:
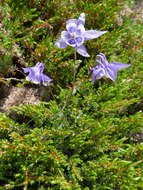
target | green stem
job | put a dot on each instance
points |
(74, 66)
(75, 57)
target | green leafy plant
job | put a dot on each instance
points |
(85, 137)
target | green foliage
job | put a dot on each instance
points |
(86, 136)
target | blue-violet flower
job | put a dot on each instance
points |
(76, 35)
(106, 69)
(36, 74)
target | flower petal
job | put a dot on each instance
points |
(46, 79)
(60, 43)
(101, 59)
(91, 34)
(71, 26)
(26, 70)
(71, 42)
(117, 65)
(75, 21)
(79, 40)
(111, 73)
(103, 55)
(98, 72)
(68, 39)
(81, 19)
(80, 30)
(65, 36)
(39, 67)
(34, 77)
(82, 51)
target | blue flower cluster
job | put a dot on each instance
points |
(74, 36)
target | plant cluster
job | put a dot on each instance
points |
(89, 135)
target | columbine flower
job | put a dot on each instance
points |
(36, 74)
(106, 69)
(76, 35)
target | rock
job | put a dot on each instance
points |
(13, 96)
(138, 10)
(18, 96)
(137, 137)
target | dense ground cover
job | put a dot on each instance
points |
(80, 137)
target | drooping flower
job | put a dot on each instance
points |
(36, 74)
(106, 69)
(76, 35)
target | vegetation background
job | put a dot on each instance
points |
(50, 137)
